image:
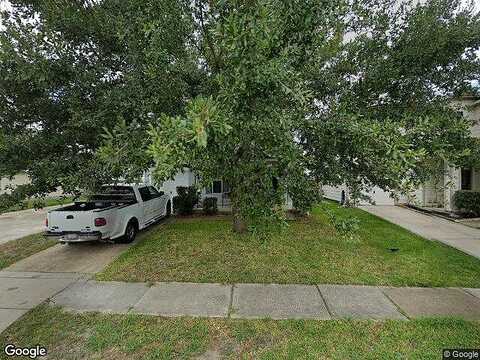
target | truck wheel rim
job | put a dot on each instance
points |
(131, 232)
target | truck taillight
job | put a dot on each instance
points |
(100, 222)
(46, 222)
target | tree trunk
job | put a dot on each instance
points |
(239, 224)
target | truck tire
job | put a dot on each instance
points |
(168, 211)
(130, 233)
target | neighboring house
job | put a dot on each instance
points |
(340, 193)
(7, 184)
(218, 189)
(436, 193)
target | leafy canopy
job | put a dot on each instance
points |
(275, 97)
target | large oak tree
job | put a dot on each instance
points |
(273, 96)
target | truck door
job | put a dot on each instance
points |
(158, 202)
(147, 204)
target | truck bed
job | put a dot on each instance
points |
(95, 205)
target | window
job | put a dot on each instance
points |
(466, 179)
(112, 192)
(153, 192)
(116, 190)
(145, 194)
(217, 186)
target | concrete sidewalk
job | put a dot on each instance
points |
(459, 236)
(253, 301)
(22, 291)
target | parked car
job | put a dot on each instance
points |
(117, 213)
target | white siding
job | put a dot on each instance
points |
(183, 178)
(333, 192)
(378, 196)
(413, 198)
(476, 181)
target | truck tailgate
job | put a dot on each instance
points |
(59, 221)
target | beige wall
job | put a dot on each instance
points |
(471, 110)
(19, 179)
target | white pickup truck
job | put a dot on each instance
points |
(117, 212)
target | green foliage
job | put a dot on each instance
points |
(7, 201)
(272, 96)
(210, 206)
(15, 197)
(346, 227)
(467, 201)
(385, 117)
(176, 141)
(123, 153)
(38, 203)
(186, 199)
(70, 69)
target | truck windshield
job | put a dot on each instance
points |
(116, 192)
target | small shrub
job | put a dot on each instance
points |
(7, 201)
(467, 202)
(186, 199)
(38, 203)
(346, 227)
(210, 206)
(16, 199)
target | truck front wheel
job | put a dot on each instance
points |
(169, 209)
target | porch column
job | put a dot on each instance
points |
(476, 180)
(453, 178)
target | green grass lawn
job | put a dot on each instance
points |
(15, 250)
(308, 251)
(102, 336)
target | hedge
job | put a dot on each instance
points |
(186, 199)
(210, 206)
(467, 201)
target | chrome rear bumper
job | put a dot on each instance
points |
(74, 237)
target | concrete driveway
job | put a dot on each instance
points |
(33, 280)
(85, 258)
(41, 276)
(459, 236)
(18, 224)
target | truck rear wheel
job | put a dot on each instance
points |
(130, 233)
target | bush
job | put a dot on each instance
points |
(346, 227)
(186, 199)
(38, 203)
(6, 202)
(17, 198)
(210, 206)
(467, 202)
